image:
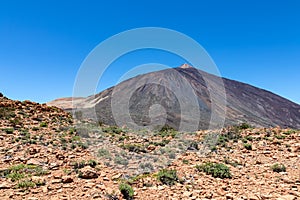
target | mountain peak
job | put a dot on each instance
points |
(186, 66)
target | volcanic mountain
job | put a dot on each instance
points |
(185, 98)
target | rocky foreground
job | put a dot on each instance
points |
(43, 156)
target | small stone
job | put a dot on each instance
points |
(253, 197)
(67, 179)
(266, 196)
(287, 197)
(33, 198)
(33, 162)
(221, 192)
(54, 181)
(88, 173)
(151, 147)
(5, 185)
(160, 187)
(38, 179)
(187, 194)
(229, 196)
(45, 189)
(115, 177)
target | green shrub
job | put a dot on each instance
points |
(121, 161)
(43, 124)
(82, 145)
(278, 168)
(166, 131)
(25, 184)
(112, 130)
(248, 146)
(35, 128)
(92, 163)
(244, 126)
(217, 170)
(126, 191)
(6, 113)
(167, 177)
(15, 176)
(185, 161)
(193, 146)
(135, 148)
(103, 152)
(280, 137)
(78, 165)
(8, 130)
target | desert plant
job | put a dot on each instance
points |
(166, 131)
(121, 161)
(35, 128)
(126, 191)
(6, 113)
(26, 184)
(8, 130)
(43, 124)
(135, 148)
(168, 177)
(244, 126)
(103, 152)
(78, 165)
(278, 167)
(92, 163)
(15, 176)
(185, 161)
(280, 137)
(193, 146)
(146, 167)
(217, 170)
(248, 146)
(112, 130)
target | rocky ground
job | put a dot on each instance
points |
(43, 155)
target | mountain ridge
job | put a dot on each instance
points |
(244, 102)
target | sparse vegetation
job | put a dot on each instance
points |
(148, 167)
(280, 137)
(244, 126)
(8, 130)
(26, 184)
(248, 146)
(7, 113)
(112, 130)
(278, 167)
(103, 152)
(92, 163)
(43, 124)
(137, 148)
(20, 172)
(166, 131)
(126, 191)
(121, 161)
(217, 170)
(35, 128)
(168, 177)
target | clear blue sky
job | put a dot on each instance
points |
(43, 43)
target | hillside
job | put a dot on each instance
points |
(45, 154)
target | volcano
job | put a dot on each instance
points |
(185, 98)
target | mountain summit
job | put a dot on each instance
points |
(173, 96)
(186, 66)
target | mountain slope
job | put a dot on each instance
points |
(185, 96)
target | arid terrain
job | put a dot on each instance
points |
(45, 155)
